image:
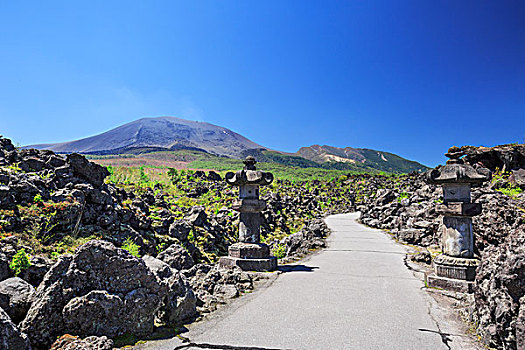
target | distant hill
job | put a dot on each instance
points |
(155, 134)
(338, 158)
(164, 137)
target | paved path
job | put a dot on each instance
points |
(356, 294)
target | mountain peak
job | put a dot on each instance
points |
(164, 132)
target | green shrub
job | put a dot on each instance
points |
(131, 247)
(20, 262)
(38, 198)
(279, 251)
(401, 196)
(510, 190)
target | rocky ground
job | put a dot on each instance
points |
(84, 250)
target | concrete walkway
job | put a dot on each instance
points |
(356, 294)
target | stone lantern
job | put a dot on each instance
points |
(455, 268)
(249, 253)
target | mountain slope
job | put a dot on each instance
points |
(159, 133)
(339, 157)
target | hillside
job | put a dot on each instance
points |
(351, 158)
(162, 133)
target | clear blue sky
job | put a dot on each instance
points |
(408, 77)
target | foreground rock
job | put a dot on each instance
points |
(500, 291)
(179, 302)
(10, 336)
(177, 257)
(69, 342)
(215, 286)
(101, 290)
(16, 296)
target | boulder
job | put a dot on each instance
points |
(55, 161)
(86, 170)
(7, 201)
(16, 296)
(384, 196)
(102, 313)
(179, 303)
(503, 157)
(410, 236)
(180, 230)
(518, 177)
(5, 271)
(32, 164)
(79, 288)
(213, 176)
(37, 270)
(213, 285)
(177, 257)
(69, 342)
(197, 216)
(10, 336)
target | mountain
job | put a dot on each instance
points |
(335, 157)
(162, 133)
(151, 135)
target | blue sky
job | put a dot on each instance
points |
(408, 77)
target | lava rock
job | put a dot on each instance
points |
(69, 342)
(16, 296)
(10, 336)
(197, 216)
(76, 291)
(35, 273)
(177, 257)
(179, 303)
(213, 176)
(86, 170)
(500, 286)
(384, 196)
(5, 271)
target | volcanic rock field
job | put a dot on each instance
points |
(97, 258)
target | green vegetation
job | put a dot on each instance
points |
(284, 166)
(500, 180)
(402, 195)
(20, 262)
(131, 247)
(510, 190)
(38, 198)
(279, 251)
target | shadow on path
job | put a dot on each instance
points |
(445, 337)
(296, 268)
(221, 347)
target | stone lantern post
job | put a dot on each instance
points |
(249, 253)
(455, 268)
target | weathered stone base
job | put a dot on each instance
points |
(449, 283)
(266, 264)
(249, 250)
(455, 267)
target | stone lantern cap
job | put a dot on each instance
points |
(249, 175)
(456, 171)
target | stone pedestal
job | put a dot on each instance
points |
(455, 269)
(453, 273)
(250, 257)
